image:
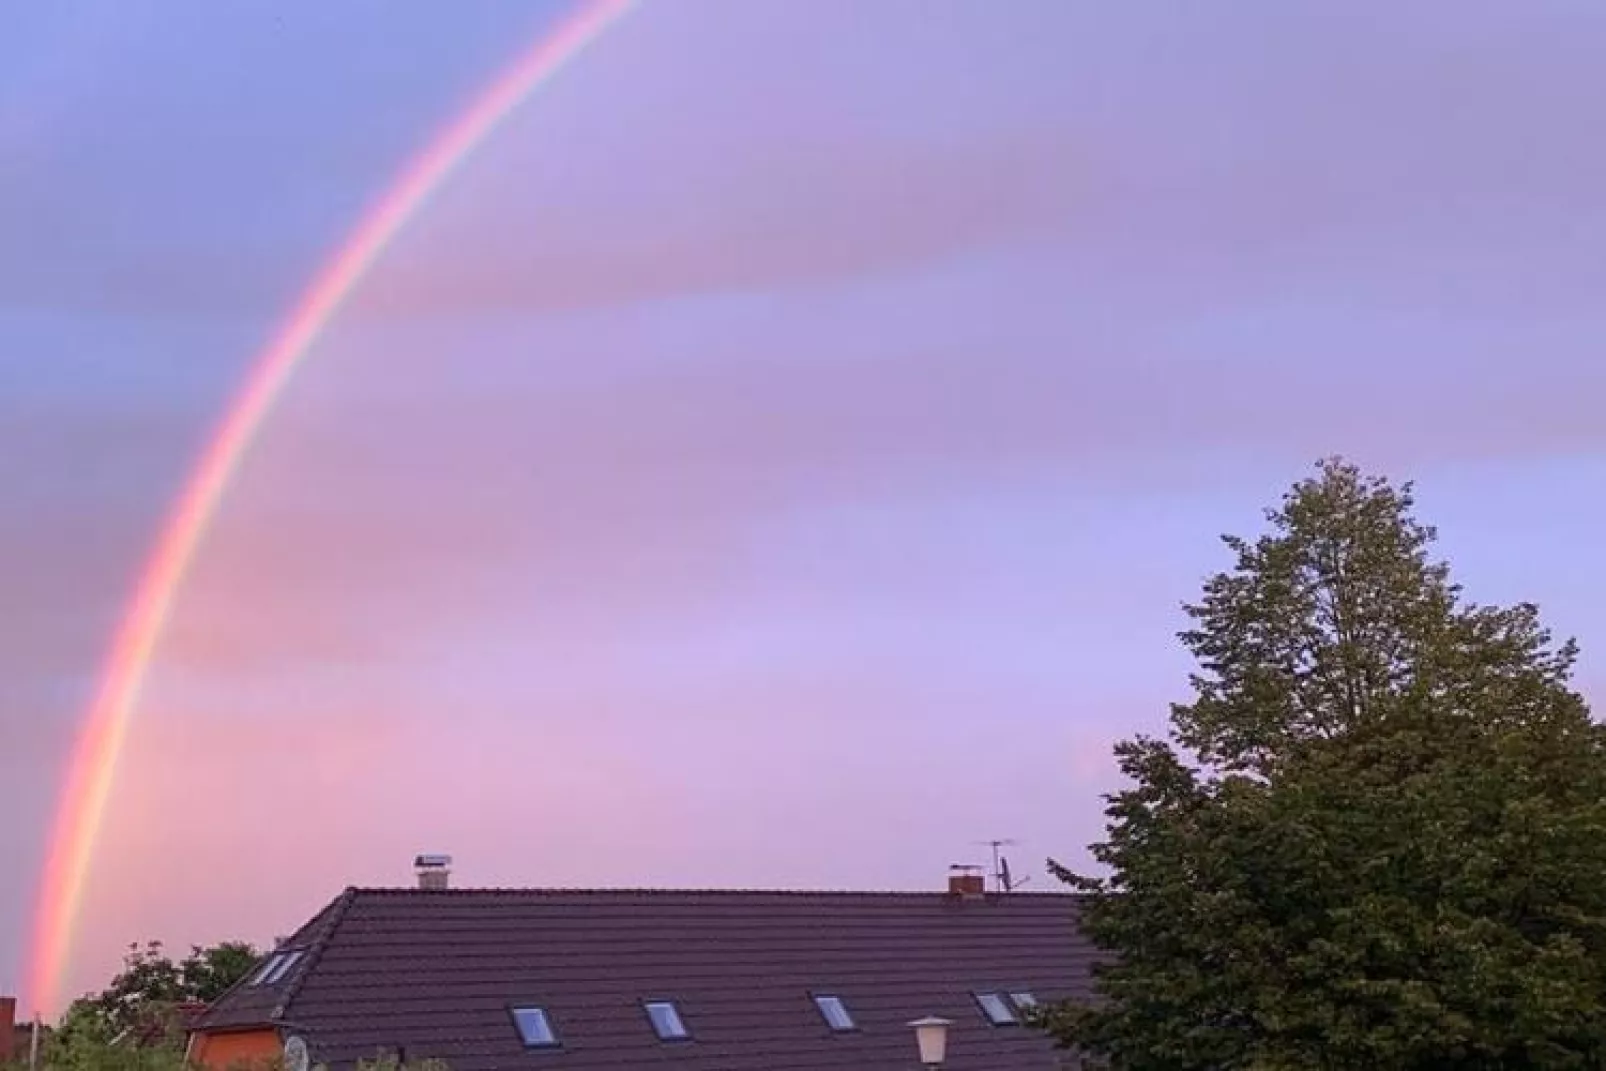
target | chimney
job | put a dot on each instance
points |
(434, 871)
(966, 882)
(8, 1029)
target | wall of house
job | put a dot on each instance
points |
(8, 1028)
(221, 1051)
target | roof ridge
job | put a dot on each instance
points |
(626, 890)
(337, 911)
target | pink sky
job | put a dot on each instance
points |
(779, 457)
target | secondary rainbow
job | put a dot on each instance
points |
(99, 743)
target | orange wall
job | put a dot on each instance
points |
(219, 1051)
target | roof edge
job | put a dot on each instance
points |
(626, 890)
(337, 914)
(202, 1023)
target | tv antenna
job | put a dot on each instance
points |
(1001, 864)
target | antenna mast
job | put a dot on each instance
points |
(1000, 867)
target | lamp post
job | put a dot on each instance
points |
(931, 1035)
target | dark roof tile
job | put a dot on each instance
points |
(435, 973)
(248, 1004)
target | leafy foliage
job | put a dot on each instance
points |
(83, 1041)
(207, 973)
(1376, 837)
(141, 1008)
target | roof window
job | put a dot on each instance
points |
(273, 963)
(834, 1012)
(1023, 999)
(278, 973)
(666, 1020)
(535, 1027)
(996, 1009)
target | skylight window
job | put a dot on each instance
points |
(996, 1009)
(666, 1021)
(278, 973)
(273, 964)
(535, 1028)
(1023, 999)
(835, 1013)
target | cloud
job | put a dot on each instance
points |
(1212, 157)
(790, 214)
(403, 488)
(745, 147)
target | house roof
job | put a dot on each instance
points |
(250, 1004)
(435, 974)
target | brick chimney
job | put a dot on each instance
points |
(8, 1029)
(434, 871)
(966, 882)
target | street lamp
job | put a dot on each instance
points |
(931, 1034)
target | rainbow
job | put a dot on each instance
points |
(94, 759)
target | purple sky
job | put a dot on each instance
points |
(778, 457)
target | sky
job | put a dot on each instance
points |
(777, 458)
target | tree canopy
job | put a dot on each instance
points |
(1374, 838)
(136, 1020)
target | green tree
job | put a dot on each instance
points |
(141, 1006)
(142, 995)
(1376, 836)
(207, 973)
(82, 1041)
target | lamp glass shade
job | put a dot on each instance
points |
(931, 1035)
